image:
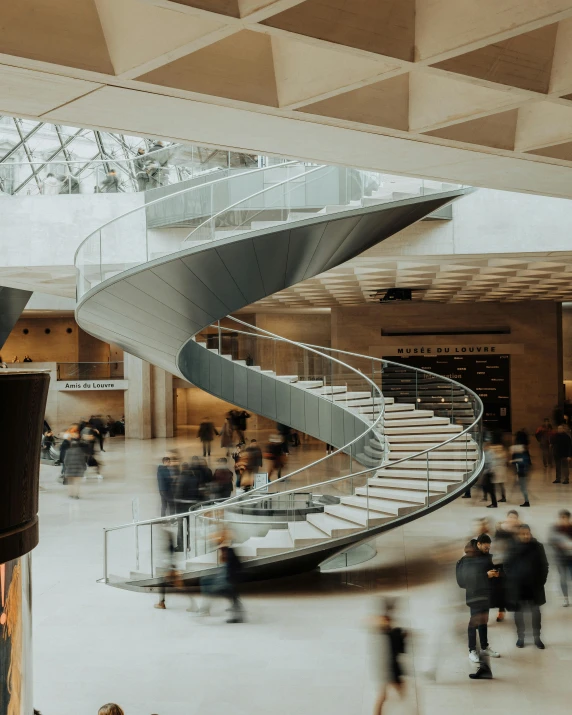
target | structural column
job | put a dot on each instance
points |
(23, 401)
(138, 421)
(162, 411)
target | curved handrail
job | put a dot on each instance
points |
(456, 436)
(170, 197)
(241, 201)
(271, 336)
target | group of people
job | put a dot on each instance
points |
(507, 569)
(77, 451)
(183, 485)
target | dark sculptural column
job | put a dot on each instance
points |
(22, 405)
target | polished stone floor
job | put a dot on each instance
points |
(306, 646)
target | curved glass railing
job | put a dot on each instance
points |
(265, 521)
(230, 206)
(154, 169)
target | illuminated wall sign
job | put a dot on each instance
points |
(85, 385)
(494, 349)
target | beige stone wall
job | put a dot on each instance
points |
(72, 406)
(536, 374)
(57, 346)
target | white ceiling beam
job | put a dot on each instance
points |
(136, 49)
(307, 73)
(543, 124)
(446, 28)
(436, 102)
(561, 74)
(260, 10)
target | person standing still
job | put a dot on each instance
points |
(561, 542)
(206, 434)
(562, 451)
(474, 572)
(544, 437)
(165, 484)
(526, 571)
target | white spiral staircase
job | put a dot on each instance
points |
(163, 300)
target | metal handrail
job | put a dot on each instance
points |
(168, 197)
(248, 198)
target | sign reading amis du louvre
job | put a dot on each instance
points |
(84, 385)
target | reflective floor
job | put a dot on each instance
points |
(305, 647)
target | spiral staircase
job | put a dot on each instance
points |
(404, 441)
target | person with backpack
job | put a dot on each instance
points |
(474, 573)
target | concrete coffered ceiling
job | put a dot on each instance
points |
(439, 278)
(459, 90)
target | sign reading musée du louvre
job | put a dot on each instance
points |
(501, 349)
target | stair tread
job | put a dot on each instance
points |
(378, 491)
(411, 484)
(439, 474)
(328, 523)
(391, 507)
(303, 530)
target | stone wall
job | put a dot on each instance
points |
(536, 371)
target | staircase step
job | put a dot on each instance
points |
(355, 515)
(400, 494)
(406, 440)
(373, 452)
(287, 378)
(404, 448)
(427, 422)
(399, 407)
(442, 475)
(427, 428)
(332, 526)
(276, 541)
(303, 533)
(435, 463)
(309, 383)
(407, 415)
(385, 507)
(329, 389)
(409, 484)
(349, 396)
(438, 454)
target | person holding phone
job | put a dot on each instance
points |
(474, 573)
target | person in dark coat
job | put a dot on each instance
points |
(561, 451)
(561, 542)
(207, 432)
(165, 484)
(253, 455)
(526, 570)
(390, 645)
(474, 573)
(187, 494)
(223, 480)
(75, 464)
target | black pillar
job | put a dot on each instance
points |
(22, 405)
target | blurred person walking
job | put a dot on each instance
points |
(520, 459)
(505, 535)
(88, 436)
(207, 432)
(110, 185)
(474, 572)
(544, 437)
(560, 540)
(165, 484)
(187, 493)
(226, 433)
(98, 425)
(171, 575)
(275, 454)
(562, 451)
(254, 456)
(75, 464)
(225, 582)
(222, 479)
(389, 647)
(527, 570)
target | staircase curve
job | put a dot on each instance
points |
(402, 441)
